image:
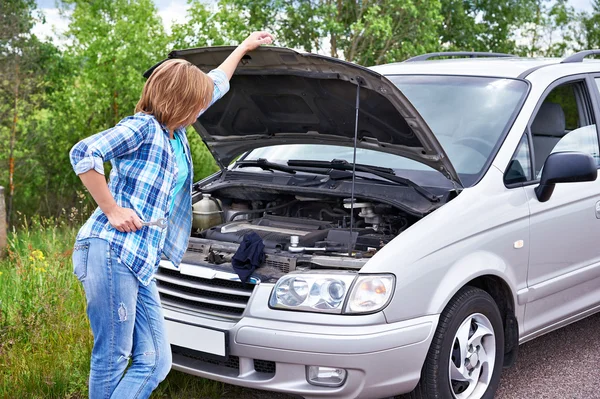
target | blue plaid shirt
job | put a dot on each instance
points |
(143, 177)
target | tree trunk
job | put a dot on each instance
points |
(11, 157)
(2, 224)
(334, 50)
(538, 21)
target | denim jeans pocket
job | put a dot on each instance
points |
(80, 256)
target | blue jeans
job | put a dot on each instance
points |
(127, 323)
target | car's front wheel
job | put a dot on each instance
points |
(466, 355)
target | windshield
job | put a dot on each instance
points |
(468, 116)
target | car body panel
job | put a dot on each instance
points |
(465, 247)
(369, 371)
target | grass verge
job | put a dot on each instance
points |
(45, 339)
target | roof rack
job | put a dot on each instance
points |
(470, 54)
(578, 57)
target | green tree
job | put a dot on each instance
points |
(23, 63)
(225, 23)
(112, 43)
(589, 30)
(484, 25)
(551, 31)
(364, 32)
(367, 33)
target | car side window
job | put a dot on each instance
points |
(519, 169)
(564, 122)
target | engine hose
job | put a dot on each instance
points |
(273, 208)
(332, 213)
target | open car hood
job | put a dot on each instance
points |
(281, 96)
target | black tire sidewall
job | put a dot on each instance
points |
(477, 301)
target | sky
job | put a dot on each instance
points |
(169, 10)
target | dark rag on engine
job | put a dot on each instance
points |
(248, 256)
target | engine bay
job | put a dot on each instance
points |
(298, 231)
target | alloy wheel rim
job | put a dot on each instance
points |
(472, 357)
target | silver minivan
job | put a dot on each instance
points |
(416, 222)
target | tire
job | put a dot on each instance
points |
(472, 313)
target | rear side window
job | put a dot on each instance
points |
(564, 122)
(564, 96)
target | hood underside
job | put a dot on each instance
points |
(280, 96)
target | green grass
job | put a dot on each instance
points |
(45, 339)
(45, 342)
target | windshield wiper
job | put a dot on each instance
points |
(385, 173)
(264, 165)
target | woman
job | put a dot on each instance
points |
(116, 255)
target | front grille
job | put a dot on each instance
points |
(207, 296)
(232, 362)
(216, 297)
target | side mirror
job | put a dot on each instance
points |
(565, 167)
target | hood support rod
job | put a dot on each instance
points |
(359, 81)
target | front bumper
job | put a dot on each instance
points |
(381, 359)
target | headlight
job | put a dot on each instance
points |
(312, 292)
(370, 293)
(327, 292)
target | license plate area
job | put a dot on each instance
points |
(209, 341)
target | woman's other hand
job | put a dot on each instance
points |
(256, 39)
(124, 219)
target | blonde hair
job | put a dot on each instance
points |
(175, 93)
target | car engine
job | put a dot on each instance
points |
(298, 232)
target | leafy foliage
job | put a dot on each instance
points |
(483, 25)
(364, 32)
(590, 28)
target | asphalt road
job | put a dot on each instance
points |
(564, 364)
